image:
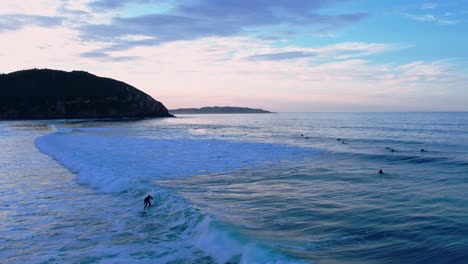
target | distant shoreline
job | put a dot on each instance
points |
(219, 110)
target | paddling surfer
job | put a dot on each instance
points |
(147, 201)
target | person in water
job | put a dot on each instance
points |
(147, 201)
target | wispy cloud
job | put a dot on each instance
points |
(433, 19)
(103, 56)
(281, 56)
(447, 13)
(429, 5)
(341, 51)
(17, 21)
(105, 5)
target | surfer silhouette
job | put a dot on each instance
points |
(147, 201)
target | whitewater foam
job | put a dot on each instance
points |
(115, 164)
(129, 167)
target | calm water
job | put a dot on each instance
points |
(237, 188)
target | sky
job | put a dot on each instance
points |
(279, 55)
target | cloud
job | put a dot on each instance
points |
(432, 18)
(281, 56)
(339, 79)
(444, 14)
(18, 21)
(335, 22)
(191, 20)
(107, 4)
(340, 51)
(123, 58)
(28, 7)
(93, 54)
(114, 4)
(262, 12)
(162, 27)
(227, 50)
(177, 21)
(429, 5)
(421, 70)
(103, 56)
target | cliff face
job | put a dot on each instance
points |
(51, 94)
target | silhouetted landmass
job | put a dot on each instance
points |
(52, 94)
(219, 110)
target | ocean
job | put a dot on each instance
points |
(255, 188)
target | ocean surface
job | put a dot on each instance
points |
(257, 188)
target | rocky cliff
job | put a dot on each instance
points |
(52, 94)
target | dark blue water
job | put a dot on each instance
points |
(251, 188)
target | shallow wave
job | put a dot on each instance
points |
(403, 157)
(130, 168)
(115, 164)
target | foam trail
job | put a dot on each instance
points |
(115, 164)
(60, 129)
(128, 166)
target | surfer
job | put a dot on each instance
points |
(147, 201)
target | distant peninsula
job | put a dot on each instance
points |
(219, 110)
(53, 94)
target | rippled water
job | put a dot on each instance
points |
(279, 188)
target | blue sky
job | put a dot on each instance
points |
(283, 55)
